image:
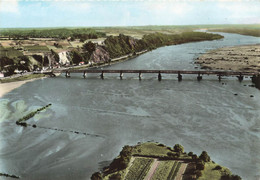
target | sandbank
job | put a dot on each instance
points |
(8, 87)
(237, 58)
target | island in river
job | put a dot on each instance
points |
(151, 161)
(237, 58)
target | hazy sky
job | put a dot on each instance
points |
(55, 13)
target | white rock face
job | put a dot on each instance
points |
(64, 57)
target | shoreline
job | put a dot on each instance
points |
(10, 86)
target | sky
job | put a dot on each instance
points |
(89, 13)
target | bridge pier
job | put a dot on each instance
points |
(219, 77)
(67, 74)
(121, 75)
(199, 78)
(159, 76)
(140, 75)
(179, 76)
(102, 75)
(84, 74)
(240, 77)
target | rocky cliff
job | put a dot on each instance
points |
(64, 57)
(99, 55)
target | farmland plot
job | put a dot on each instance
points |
(139, 168)
(163, 170)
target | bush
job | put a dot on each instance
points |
(217, 167)
(190, 153)
(115, 177)
(178, 148)
(96, 176)
(204, 156)
(230, 177)
(170, 154)
(198, 173)
(200, 166)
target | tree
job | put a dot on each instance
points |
(56, 56)
(178, 148)
(204, 156)
(96, 176)
(89, 46)
(76, 57)
(200, 166)
(115, 177)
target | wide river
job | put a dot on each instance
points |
(203, 115)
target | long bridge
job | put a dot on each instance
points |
(179, 73)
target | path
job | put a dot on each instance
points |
(152, 169)
(181, 171)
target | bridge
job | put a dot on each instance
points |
(179, 73)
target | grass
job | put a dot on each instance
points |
(37, 48)
(249, 32)
(163, 170)
(174, 170)
(9, 52)
(139, 168)
(151, 149)
(154, 149)
(210, 173)
(22, 78)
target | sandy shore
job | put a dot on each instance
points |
(237, 58)
(7, 87)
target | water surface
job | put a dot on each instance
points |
(203, 115)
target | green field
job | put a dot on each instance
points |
(151, 149)
(174, 170)
(163, 170)
(139, 168)
(37, 48)
(9, 52)
(22, 78)
(210, 173)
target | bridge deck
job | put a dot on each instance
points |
(222, 73)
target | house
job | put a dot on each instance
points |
(2, 75)
(81, 63)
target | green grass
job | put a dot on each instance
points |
(9, 52)
(22, 78)
(151, 149)
(174, 170)
(37, 48)
(249, 32)
(139, 168)
(163, 170)
(210, 173)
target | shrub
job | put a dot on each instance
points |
(96, 176)
(115, 177)
(198, 173)
(170, 154)
(200, 166)
(178, 148)
(217, 167)
(190, 153)
(204, 156)
(230, 177)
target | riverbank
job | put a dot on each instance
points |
(237, 58)
(7, 85)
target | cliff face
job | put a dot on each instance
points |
(99, 55)
(64, 57)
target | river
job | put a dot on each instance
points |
(203, 115)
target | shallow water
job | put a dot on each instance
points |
(203, 115)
